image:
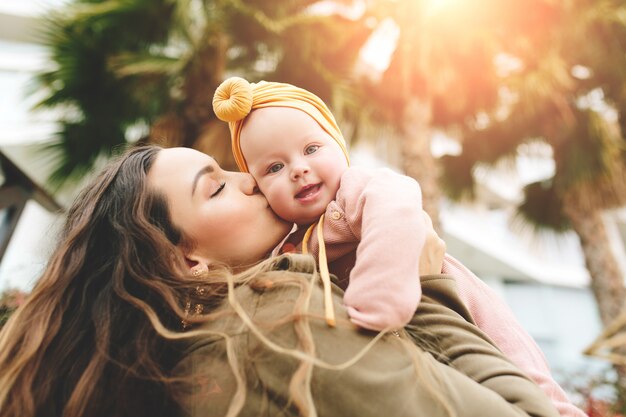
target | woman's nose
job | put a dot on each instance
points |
(246, 182)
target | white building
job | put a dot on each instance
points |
(20, 57)
(544, 281)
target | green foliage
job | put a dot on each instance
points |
(546, 102)
(447, 57)
(96, 110)
(599, 395)
(10, 300)
(589, 152)
(566, 91)
(5, 313)
(458, 182)
(542, 207)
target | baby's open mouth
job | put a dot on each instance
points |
(308, 191)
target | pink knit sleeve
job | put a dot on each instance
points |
(384, 210)
(496, 319)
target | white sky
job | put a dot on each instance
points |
(28, 7)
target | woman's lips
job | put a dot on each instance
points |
(308, 192)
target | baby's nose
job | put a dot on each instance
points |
(298, 171)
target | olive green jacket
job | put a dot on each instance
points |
(385, 382)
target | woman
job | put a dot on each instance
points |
(100, 335)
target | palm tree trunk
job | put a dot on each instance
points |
(417, 159)
(202, 78)
(607, 282)
(191, 123)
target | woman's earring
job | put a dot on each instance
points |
(183, 322)
(200, 271)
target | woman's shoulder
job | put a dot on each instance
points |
(441, 292)
(268, 293)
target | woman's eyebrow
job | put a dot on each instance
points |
(206, 170)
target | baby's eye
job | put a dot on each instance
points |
(311, 149)
(274, 168)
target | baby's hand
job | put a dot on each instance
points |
(431, 260)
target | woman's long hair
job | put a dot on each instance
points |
(83, 344)
(100, 333)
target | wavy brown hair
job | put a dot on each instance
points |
(100, 333)
(83, 344)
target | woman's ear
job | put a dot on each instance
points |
(199, 266)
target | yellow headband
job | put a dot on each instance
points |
(235, 98)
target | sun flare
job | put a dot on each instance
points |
(435, 7)
(377, 51)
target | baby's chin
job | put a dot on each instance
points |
(301, 219)
(312, 215)
(307, 220)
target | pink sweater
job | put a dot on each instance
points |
(374, 232)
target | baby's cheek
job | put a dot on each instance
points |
(278, 201)
(265, 187)
(282, 205)
(273, 194)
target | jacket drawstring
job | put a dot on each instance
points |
(329, 312)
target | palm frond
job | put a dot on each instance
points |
(148, 20)
(274, 25)
(591, 156)
(610, 343)
(542, 208)
(457, 180)
(75, 149)
(142, 63)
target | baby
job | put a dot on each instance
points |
(369, 224)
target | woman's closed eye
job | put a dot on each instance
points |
(218, 190)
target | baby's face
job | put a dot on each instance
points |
(296, 164)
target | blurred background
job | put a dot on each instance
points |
(508, 113)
